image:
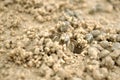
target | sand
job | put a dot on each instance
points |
(59, 40)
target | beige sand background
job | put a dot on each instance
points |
(59, 39)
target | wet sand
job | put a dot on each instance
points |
(59, 40)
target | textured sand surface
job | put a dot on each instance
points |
(59, 39)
